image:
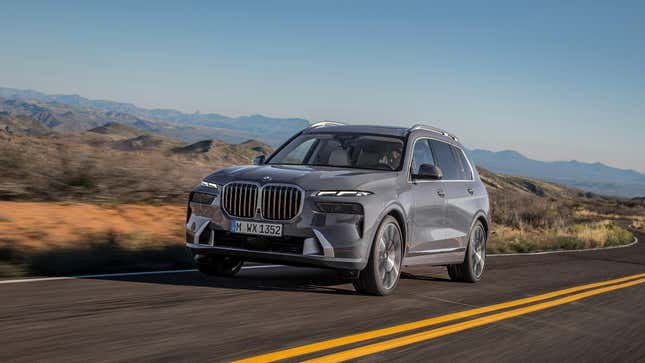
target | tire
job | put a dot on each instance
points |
(223, 266)
(472, 269)
(381, 275)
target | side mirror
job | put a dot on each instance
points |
(428, 172)
(258, 160)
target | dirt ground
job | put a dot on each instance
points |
(41, 226)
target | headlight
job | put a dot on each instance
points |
(209, 185)
(341, 193)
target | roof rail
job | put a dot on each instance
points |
(433, 129)
(326, 123)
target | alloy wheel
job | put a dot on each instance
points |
(389, 255)
(478, 250)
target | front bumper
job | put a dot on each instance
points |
(281, 258)
(337, 241)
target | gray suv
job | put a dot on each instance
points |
(367, 200)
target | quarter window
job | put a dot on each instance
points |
(446, 160)
(464, 169)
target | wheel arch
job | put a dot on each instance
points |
(482, 217)
(396, 211)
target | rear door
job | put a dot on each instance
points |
(457, 179)
(428, 208)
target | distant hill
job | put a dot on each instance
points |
(128, 138)
(64, 118)
(188, 127)
(595, 177)
(116, 129)
(23, 125)
(215, 150)
(518, 184)
(110, 162)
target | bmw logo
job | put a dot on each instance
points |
(266, 178)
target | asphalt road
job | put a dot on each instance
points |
(188, 317)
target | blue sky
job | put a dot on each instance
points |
(553, 81)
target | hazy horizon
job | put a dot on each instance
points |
(551, 81)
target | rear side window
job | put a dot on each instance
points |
(464, 169)
(446, 160)
(422, 154)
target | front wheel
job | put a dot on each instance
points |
(472, 268)
(381, 275)
(224, 266)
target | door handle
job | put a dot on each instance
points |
(441, 193)
(470, 191)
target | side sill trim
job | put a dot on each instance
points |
(437, 251)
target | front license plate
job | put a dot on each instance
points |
(261, 229)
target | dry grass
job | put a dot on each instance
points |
(42, 226)
(540, 217)
(55, 238)
(576, 236)
(635, 221)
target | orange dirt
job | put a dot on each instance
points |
(41, 225)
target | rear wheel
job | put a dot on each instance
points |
(225, 266)
(381, 275)
(472, 268)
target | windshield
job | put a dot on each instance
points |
(343, 151)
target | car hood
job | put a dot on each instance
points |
(307, 177)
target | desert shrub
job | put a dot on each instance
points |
(11, 159)
(523, 211)
(567, 243)
(618, 236)
(54, 170)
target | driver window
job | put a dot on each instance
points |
(422, 154)
(297, 155)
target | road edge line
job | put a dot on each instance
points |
(121, 274)
(631, 244)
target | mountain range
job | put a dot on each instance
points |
(38, 113)
(594, 177)
(73, 113)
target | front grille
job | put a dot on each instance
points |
(240, 199)
(281, 202)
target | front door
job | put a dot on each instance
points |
(428, 223)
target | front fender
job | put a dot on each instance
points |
(396, 209)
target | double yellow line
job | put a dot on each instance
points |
(592, 289)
